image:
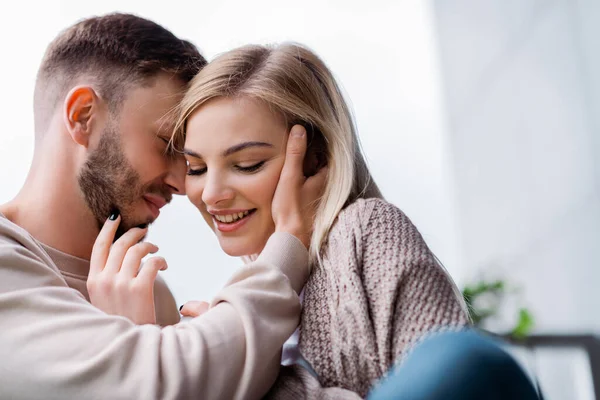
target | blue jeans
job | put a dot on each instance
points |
(456, 366)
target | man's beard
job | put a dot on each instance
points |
(109, 183)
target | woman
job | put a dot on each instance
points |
(375, 287)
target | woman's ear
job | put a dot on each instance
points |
(80, 107)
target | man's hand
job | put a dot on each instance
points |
(297, 197)
(116, 284)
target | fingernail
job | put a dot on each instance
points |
(114, 215)
(180, 307)
(298, 132)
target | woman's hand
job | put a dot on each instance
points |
(116, 284)
(296, 197)
(194, 308)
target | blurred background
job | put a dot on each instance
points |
(478, 118)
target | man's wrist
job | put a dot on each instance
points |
(289, 254)
(297, 231)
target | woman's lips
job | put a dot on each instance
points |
(230, 226)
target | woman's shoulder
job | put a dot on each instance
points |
(375, 221)
(363, 209)
(373, 213)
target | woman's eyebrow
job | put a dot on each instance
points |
(232, 149)
(243, 146)
(192, 153)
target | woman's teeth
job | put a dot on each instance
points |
(231, 217)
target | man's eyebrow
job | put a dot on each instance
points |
(165, 126)
(232, 149)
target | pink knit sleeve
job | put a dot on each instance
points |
(378, 291)
(410, 291)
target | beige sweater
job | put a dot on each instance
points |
(55, 345)
(75, 271)
(378, 291)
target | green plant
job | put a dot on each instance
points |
(494, 292)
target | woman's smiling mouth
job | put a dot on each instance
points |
(230, 220)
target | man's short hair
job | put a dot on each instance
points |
(115, 52)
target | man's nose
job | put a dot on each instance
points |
(175, 179)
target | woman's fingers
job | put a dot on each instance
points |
(314, 187)
(120, 248)
(102, 245)
(116, 285)
(292, 173)
(133, 258)
(194, 308)
(286, 208)
(147, 274)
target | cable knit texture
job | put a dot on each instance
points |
(378, 290)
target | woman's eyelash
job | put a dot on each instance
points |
(199, 171)
(251, 168)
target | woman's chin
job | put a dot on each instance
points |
(241, 250)
(234, 253)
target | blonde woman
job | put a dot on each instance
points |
(375, 287)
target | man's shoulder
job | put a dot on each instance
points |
(14, 239)
(8, 230)
(23, 262)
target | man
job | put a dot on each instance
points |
(103, 100)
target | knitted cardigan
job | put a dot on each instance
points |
(378, 291)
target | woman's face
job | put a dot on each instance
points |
(235, 149)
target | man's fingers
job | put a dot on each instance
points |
(133, 258)
(102, 245)
(294, 155)
(150, 269)
(194, 308)
(314, 187)
(120, 248)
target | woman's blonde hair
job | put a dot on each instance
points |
(291, 80)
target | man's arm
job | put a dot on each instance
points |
(57, 345)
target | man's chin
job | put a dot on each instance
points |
(126, 226)
(144, 225)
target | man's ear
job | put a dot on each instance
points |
(80, 112)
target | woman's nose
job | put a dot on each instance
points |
(216, 190)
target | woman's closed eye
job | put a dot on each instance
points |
(196, 171)
(250, 168)
(246, 169)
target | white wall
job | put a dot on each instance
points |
(382, 51)
(522, 88)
